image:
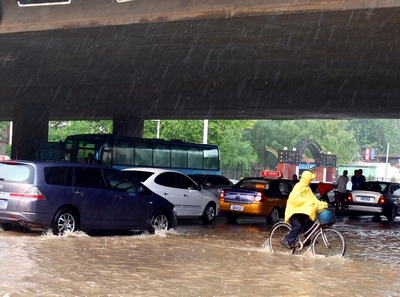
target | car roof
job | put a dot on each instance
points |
(203, 174)
(381, 182)
(54, 163)
(148, 169)
(263, 178)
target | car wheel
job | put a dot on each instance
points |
(391, 216)
(208, 214)
(66, 220)
(273, 216)
(231, 217)
(159, 222)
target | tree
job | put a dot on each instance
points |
(3, 136)
(235, 152)
(59, 130)
(242, 142)
(376, 133)
(333, 136)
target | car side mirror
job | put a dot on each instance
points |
(140, 190)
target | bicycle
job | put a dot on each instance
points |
(321, 237)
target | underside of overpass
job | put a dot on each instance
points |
(181, 59)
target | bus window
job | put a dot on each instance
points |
(179, 157)
(143, 154)
(84, 148)
(106, 158)
(195, 158)
(69, 154)
(211, 159)
(123, 153)
(161, 155)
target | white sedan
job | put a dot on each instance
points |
(189, 198)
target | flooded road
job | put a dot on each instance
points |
(196, 260)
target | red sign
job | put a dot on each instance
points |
(367, 154)
(275, 174)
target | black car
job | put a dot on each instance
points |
(212, 182)
(375, 198)
(67, 197)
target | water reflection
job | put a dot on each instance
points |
(195, 260)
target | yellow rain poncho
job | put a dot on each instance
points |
(302, 199)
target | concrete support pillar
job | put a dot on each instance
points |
(288, 170)
(30, 124)
(128, 126)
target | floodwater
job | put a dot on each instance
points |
(196, 260)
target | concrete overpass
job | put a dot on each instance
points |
(184, 59)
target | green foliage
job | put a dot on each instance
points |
(243, 143)
(3, 129)
(235, 153)
(377, 133)
(59, 130)
(333, 136)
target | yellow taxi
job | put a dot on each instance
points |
(257, 196)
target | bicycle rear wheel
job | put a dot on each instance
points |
(278, 232)
(329, 242)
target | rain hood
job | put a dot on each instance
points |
(302, 199)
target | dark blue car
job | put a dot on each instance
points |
(67, 197)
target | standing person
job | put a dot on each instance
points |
(294, 178)
(341, 192)
(355, 180)
(301, 209)
(362, 177)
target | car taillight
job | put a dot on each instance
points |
(222, 195)
(32, 193)
(381, 200)
(350, 197)
(258, 197)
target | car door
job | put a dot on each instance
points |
(166, 186)
(193, 199)
(130, 207)
(92, 197)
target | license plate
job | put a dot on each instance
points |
(365, 199)
(237, 207)
(3, 204)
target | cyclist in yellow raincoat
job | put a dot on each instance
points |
(301, 209)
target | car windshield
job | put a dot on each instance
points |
(372, 186)
(142, 176)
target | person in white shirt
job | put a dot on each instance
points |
(341, 191)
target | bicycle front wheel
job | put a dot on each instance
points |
(278, 232)
(329, 242)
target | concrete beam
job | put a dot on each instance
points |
(95, 13)
(128, 126)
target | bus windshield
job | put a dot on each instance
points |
(124, 152)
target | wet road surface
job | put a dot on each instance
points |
(198, 260)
